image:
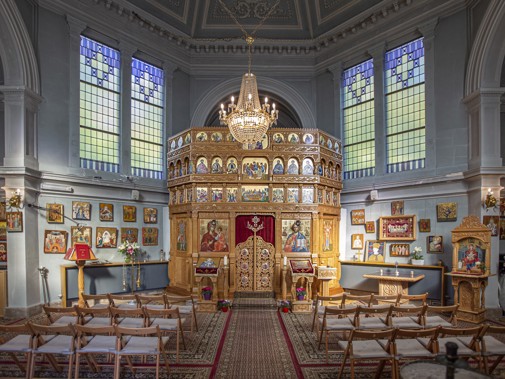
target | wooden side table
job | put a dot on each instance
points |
(392, 284)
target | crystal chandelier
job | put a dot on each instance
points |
(248, 119)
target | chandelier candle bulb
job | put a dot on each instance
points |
(285, 261)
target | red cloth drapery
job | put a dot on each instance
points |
(242, 233)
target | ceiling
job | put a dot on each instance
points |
(292, 20)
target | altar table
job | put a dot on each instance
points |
(392, 284)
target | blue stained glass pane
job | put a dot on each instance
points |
(405, 107)
(99, 106)
(358, 120)
(147, 115)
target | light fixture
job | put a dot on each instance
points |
(56, 187)
(248, 119)
(489, 201)
(15, 201)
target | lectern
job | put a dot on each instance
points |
(80, 253)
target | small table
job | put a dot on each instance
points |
(392, 284)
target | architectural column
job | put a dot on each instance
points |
(127, 51)
(428, 32)
(75, 29)
(168, 70)
(336, 71)
(20, 110)
(377, 54)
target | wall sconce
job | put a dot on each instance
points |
(490, 201)
(15, 201)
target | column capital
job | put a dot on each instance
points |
(75, 26)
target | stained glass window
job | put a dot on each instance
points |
(147, 120)
(358, 119)
(99, 106)
(405, 107)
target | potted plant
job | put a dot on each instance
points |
(417, 256)
(300, 293)
(207, 293)
(223, 305)
(285, 305)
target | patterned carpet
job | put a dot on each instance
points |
(243, 343)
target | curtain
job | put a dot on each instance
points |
(242, 233)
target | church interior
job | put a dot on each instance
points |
(257, 188)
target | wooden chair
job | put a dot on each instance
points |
(407, 317)
(152, 301)
(94, 340)
(186, 306)
(353, 301)
(467, 339)
(53, 340)
(415, 300)
(169, 321)
(492, 347)
(19, 343)
(372, 318)
(128, 317)
(378, 300)
(123, 301)
(334, 301)
(146, 341)
(435, 316)
(334, 321)
(98, 317)
(364, 345)
(408, 346)
(61, 315)
(96, 301)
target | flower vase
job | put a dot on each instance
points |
(300, 297)
(207, 296)
(418, 262)
(285, 310)
(127, 260)
(224, 309)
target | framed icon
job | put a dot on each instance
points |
(14, 221)
(129, 213)
(447, 212)
(358, 217)
(150, 215)
(357, 241)
(55, 241)
(399, 250)
(397, 208)
(424, 225)
(106, 211)
(435, 244)
(83, 234)
(397, 228)
(129, 235)
(54, 214)
(370, 226)
(81, 210)
(374, 251)
(149, 236)
(106, 237)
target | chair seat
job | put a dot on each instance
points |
(99, 306)
(20, 343)
(59, 344)
(142, 345)
(405, 322)
(128, 305)
(493, 346)
(411, 348)
(183, 309)
(366, 349)
(96, 321)
(371, 323)
(434, 321)
(130, 322)
(167, 323)
(462, 343)
(339, 324)
(65, 320)
(154, 306)
(100, 344)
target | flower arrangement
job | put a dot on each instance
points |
(206, 290)
(300, 291)
(129, 250)
(285, 304)
(418, 253)
(223, 304)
